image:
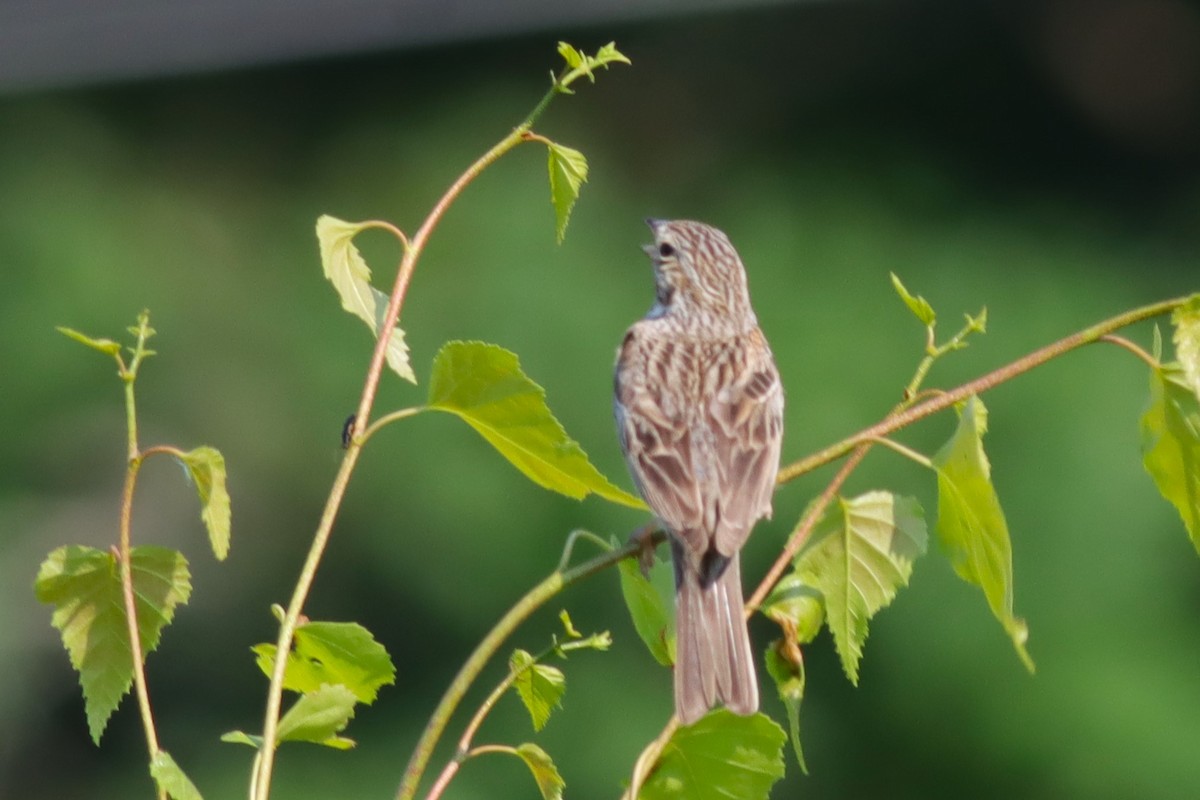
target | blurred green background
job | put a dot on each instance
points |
(1038, 159)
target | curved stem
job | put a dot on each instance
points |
(534, 599)
(261, 782)
(412, 251)
(1122, 342)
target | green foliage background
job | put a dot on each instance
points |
(831, 156)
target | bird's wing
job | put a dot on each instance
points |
(657, 441)
(747, 416)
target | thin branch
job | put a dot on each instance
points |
(537, 597)
(895, 422)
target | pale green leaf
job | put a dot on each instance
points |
(971, 524)
(797, 606)
(918, 305)
(572, 56)
(1171, 444)
(483, 384)
(206, 466)
(103, 345)
(609, 54)
(539, 686)
(345, 268)
(341, 653)
(789, 682)
(568, 172)
(241, 737)
(568, 626)
(861, 552)
(719, 757)
(1186, 319)
(318, 717)
(171, 779)
(549, 782)
(84, 586)
(651, 604)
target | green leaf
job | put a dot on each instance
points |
(335, 653)
(84, 586)
(918, 305)
(719, 757)
(345, 268)
(568, 627)
(609, 54)
(971, 525)
(568, 173)
(651, 604)
(539, 686)
(1186, 319)
(241, 737)
(789, 681)
(572, 56)
(103, 345)
(549, 782)
(318, 717)
(1171, 444)
(170, 778)
(860, 554)
(483, 384)
(206, 466)
(797, 606)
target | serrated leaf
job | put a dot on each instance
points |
(539, 686)
(861, 553)
(103, 345)
(1171, 444)
(345, 268)
(318, 717)
(721, 756)
(206, 467)
(918, 305)
(971, 524)
(84, 586)
(549, 782)
(483, 385)
(568, 172)
(341, 653)
(171, 779)
(241, 737)
(651, 604)
(1186, 319)
(798, 606)
(789, 682)
(609, 54)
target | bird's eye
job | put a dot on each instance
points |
(666, 250)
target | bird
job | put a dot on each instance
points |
(699, 413)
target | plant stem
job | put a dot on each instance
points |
(261, 781)
(907, 452)
(412, 252)
(992, 379)
(534, 599)
(125, 557)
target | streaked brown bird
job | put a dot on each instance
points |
(699, 411)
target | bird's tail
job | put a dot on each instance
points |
(713, 661)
